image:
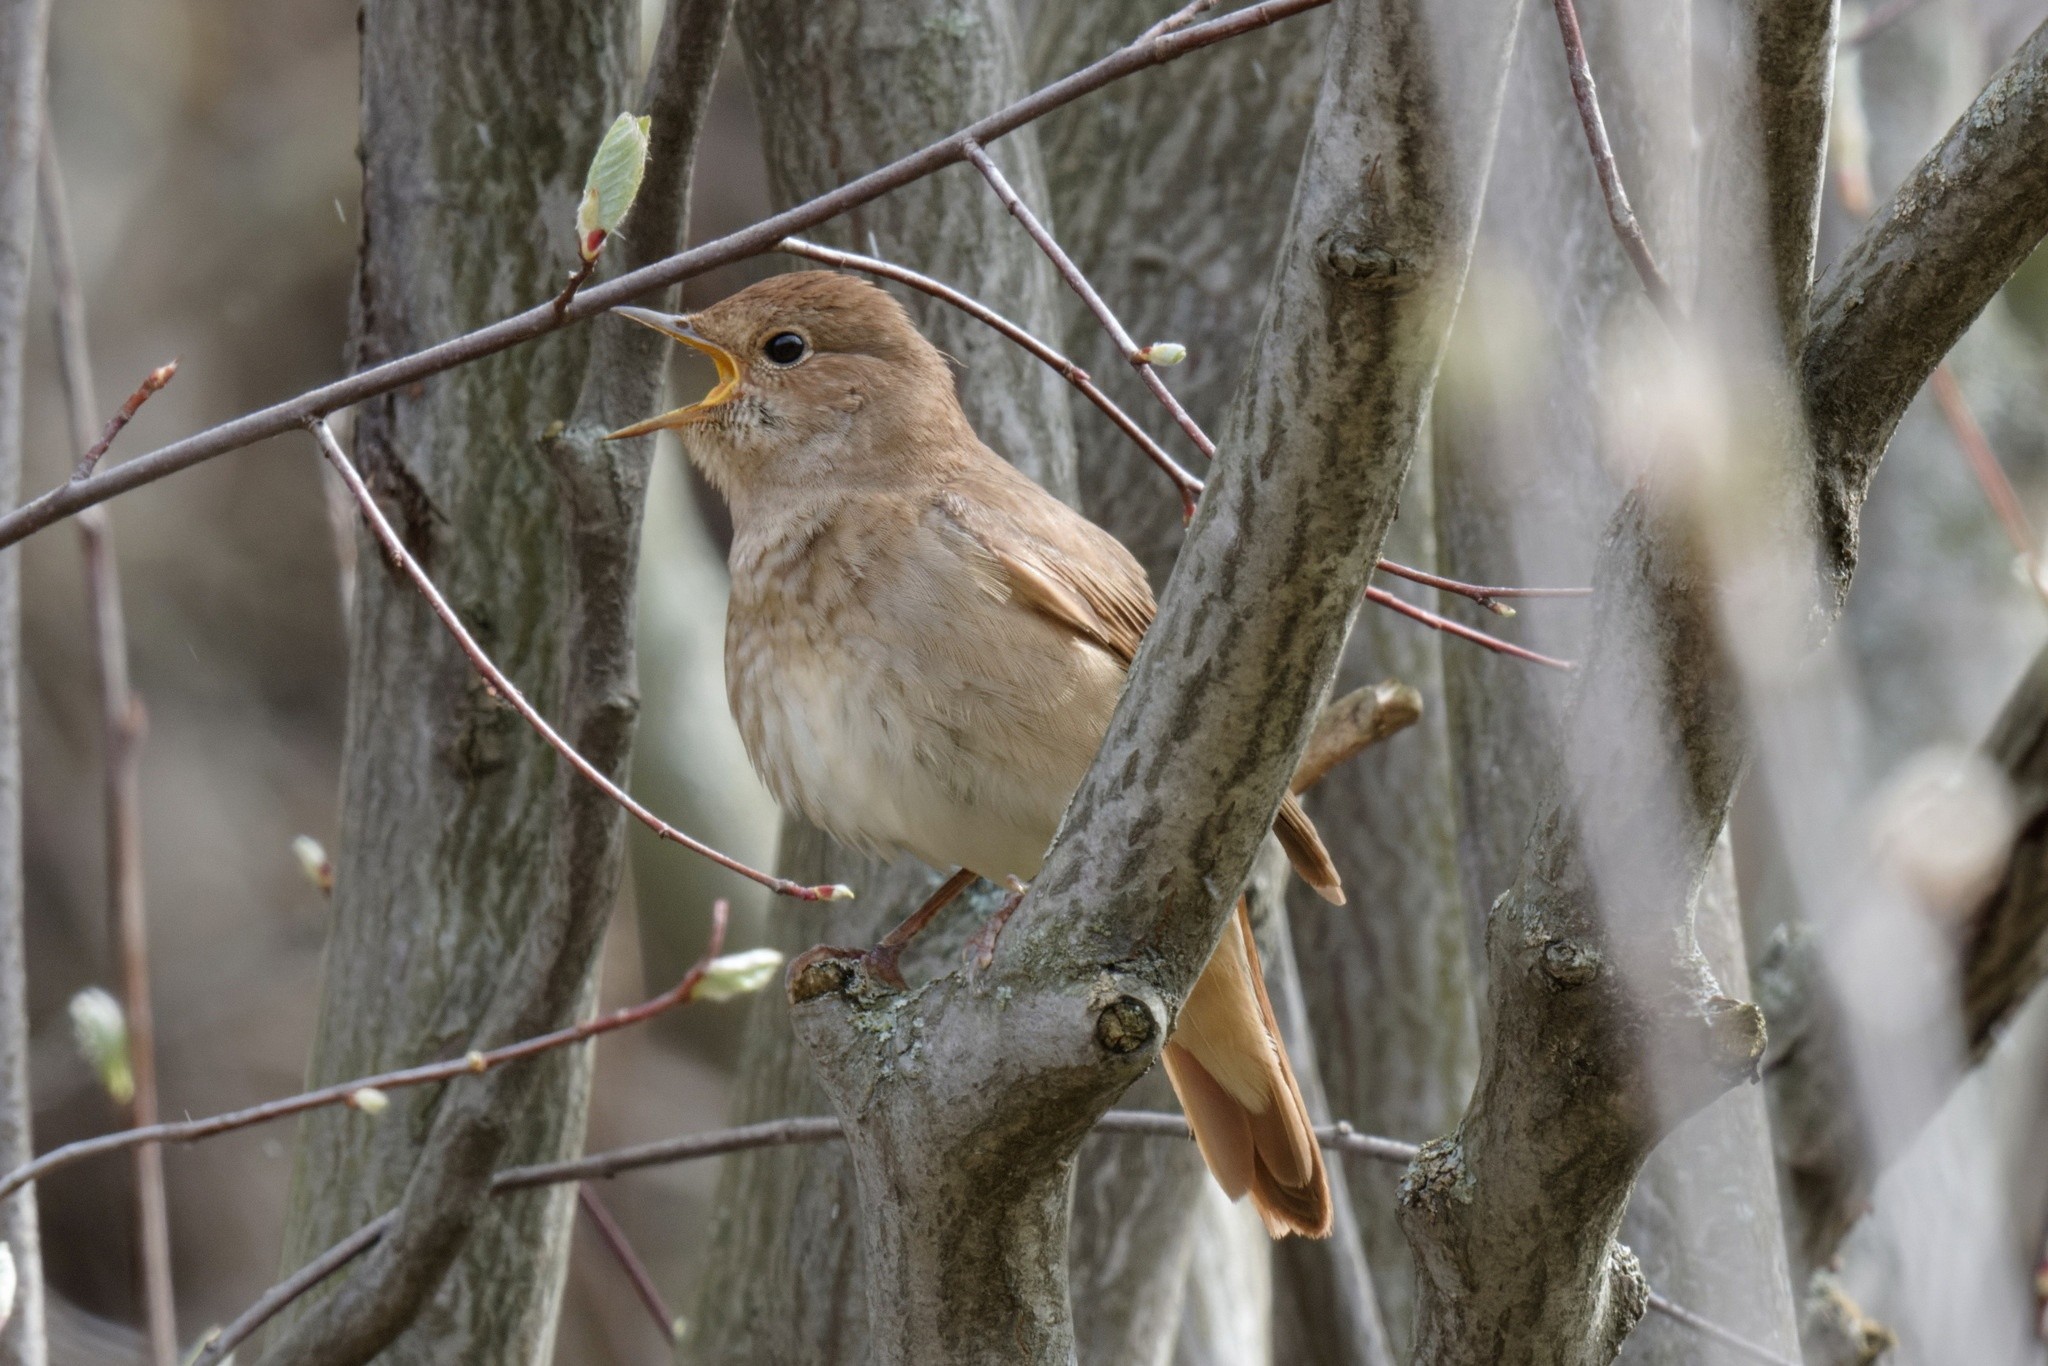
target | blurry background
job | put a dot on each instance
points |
(209, 147)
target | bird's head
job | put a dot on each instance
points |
(822, 380)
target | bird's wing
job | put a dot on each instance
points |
(1073, 573)
(1053, 560)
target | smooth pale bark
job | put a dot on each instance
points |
(1704, 1216)
(1967, 213)
(476, 873)
(1524, 490)
(841, 89)
(23, 27)
(962, 1155)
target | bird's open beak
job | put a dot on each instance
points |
(677, 327)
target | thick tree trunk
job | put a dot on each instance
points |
(23, 25)
(476, 873)
(841, 89)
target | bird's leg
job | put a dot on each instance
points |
(882, 958)
(981, 950)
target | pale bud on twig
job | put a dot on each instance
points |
(1163, 353)
(9, 1282)
(313, 861)
(369, 1100)
(738, 974)
(102, 1034)
(612, 184)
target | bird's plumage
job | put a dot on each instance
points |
(924, 648)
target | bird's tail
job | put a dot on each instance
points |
(1230, 1070)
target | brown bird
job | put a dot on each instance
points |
(923, 650)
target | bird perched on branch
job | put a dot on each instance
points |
(923, 651)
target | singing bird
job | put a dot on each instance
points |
(923, 650)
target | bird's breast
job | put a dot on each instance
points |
(888, 697)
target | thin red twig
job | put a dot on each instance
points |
(1439, 623)
(1078, 282)
(1998, 490)
(121, 729)
(1184, 483)
(1485, 597)
(345, 1093)
(151, 382)
(614, 1238)
(1618, 211)
(403, 561)
(70, 498)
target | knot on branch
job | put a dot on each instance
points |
(813, 975)
(1436, 1179)
(1736, 1037)
(1569, 964)
(1351, 256)
(1627, 1294)
(1125, 1026)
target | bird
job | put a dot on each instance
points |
(923, 648)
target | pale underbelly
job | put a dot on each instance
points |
(952, 776)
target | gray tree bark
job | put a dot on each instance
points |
(475, 873)
(963, 1160)
(23, 27)
(1523, 492)
(841, 89)
(1171, 193)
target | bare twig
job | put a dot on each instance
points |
(217, 1345)
(1078, 282)
(345, 1092)
(577, 279)
(1485, 597)
(121, 729)
(615, 1241)
(1440, 623)
(1708, 1328)
(402, 560)
(1339, 1137)
(1618, 211)
(1180, 18)
(1186, 484)
(151, 382)
(1351, 724)
(68, 499)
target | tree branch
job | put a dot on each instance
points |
(121, 733)
(1914, 280)
(1340, 1138)
(24, 26)
(70, 498)
(1619, 214)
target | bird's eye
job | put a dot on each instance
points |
(785, 348)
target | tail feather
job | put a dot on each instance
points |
(1230, 1071)
(1306, 852)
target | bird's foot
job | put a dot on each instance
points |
(981, 949)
